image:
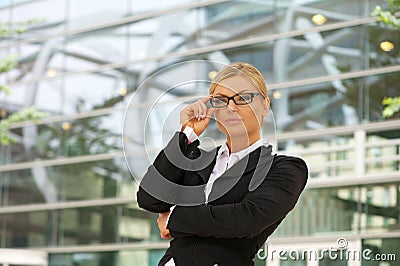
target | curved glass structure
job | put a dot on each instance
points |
(65, 187)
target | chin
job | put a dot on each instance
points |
(237, 132)
(233, 130)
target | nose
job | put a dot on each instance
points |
(232, 105)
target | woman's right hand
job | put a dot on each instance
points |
(197, 115)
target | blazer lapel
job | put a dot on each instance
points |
(258, 161)
(262, 168)
(206, 172)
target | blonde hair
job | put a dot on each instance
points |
(245, 70)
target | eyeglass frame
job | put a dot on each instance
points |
(253, 94)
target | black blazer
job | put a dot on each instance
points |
(229, 229)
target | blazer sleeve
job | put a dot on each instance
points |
(162, 165)
(259, 209)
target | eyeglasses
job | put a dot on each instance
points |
(238, 99)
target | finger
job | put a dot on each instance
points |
(196, 111)
(206, 99)
(202, 110)
(159, 221)
(210, 111)
(203, 106)
(188, 116)
(165, 234)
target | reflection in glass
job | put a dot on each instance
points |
(381, 252)
(120, 258)
(382, 154)
(78, 226)
(69, 182)
(66, 71)
(347, 209)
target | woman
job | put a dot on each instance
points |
(237, 216)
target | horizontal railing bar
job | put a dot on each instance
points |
(350, 236)
(298, 135)
(317, 151)
(382, 143)
(65, 205)
(383, 159)
(20, 4)
(353, 180)
(213, 48)
(115, 22)
(313, 183)
(106, 111)
(61, 161)
(332, 238)
(339, 131)
(337, 163)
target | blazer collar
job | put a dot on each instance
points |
(206, 172)
(260, 156)
(259, 161)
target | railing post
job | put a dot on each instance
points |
(360, 137)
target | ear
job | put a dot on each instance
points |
(266, 104)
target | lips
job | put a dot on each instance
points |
(233, 120)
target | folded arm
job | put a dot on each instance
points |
(163, 167)
(264, 206)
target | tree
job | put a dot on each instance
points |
(392, 106)
(388, 18)
(7, 64)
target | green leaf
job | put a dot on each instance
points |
(387, 101)
(387, 112)
(7, 29)
(8, 63)
(392, 106)
(26, 114)
(387, 16)
(5, 89)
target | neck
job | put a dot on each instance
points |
(238, 143)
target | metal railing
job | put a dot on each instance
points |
(22, 257)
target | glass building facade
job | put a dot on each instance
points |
(65, 187)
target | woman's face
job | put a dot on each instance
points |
(243, 121)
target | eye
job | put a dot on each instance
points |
(246, 98)
(219, 100)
